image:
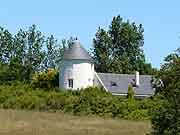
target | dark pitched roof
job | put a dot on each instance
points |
(118, 83)
(76, 52)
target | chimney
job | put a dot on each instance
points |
(137, 78)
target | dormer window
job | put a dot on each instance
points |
(113, 84)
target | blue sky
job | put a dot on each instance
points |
(81, 18)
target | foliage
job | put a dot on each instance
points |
(6, 74)
(170, 74)
(89, 101)
(46, 79)
(120, 49)
(27, 52)
(130, 93)
(166, 118)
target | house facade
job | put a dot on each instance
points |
(77, 71)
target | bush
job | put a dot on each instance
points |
(139, 114)
(166, 117)
(47, 79)
(88, 101)
(130, 93)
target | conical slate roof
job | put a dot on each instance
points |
(76, 52)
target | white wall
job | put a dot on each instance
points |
(81, 71)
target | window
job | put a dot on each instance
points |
(113, 84)
(70, 83)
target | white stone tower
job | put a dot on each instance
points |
(77, 68)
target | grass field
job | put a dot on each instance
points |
(42, 123)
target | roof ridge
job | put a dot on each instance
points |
(121, 74)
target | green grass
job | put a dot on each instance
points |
(13, 122)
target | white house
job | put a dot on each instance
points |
(77, 71)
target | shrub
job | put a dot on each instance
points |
(47, 79)
(130, 93)
(88, 101)
(139, 114)
(166, 117)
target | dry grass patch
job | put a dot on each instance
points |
(42, 123)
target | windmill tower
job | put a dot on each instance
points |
(77, 68)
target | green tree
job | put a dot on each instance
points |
(17, 63)
(6, 54)
(120, 49)
(6, 45)
(166, 119)
(101, 51)
(22, 53)
(51, 54)
(54, 52)
(35, 53)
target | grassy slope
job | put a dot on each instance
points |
(41, 123)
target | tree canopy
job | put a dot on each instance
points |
(26, 52)
(120, 48)
(166, 119)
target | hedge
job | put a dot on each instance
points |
(89, 101)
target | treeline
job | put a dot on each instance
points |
(28, 51)
(117, 50)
